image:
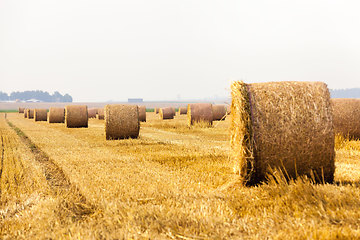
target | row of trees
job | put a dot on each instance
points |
(345, 93)
(38, 95)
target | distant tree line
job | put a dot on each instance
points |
(345, 93)
(38, 95)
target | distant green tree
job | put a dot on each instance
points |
(4, 96)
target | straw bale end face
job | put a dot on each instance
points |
(282, 125)
(121, 121)
(76, 116)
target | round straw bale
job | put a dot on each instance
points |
(199, 112)
(56, 115)
(157, 110)
(76, 116)
(92, 112)
(166, 113)
(25, 113)
(182, 110)
(346, 114)
(40, 114)
(142, 113)
(283, 126)
(30, 113)
(100, 114)
(21, 110)
(219, 112)
(121, 121)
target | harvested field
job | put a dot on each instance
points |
(172, 182)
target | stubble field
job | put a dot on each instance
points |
(174, 182)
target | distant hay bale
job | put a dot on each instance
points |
(21, 110)
(142, 113)
(182, 110)
(166, 113)
(56, 115)
(25, 113)
(282, 125)
(157, 110)
(346, 115)
(30, 113)
(76, 116)
(92, 112)
(121, 121)
(200, 112)
(40, 114)
(100, 114)
(219, 112)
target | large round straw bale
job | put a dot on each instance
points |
(40, 114)
(56, 115)
(121, 121)
(92, 112)
(282, 125)
(346, 114)
(182, 110)
(30, 113)
(142, 113)
(166, 113)
(219, 112)
(76, 116)
(199, 112)
(21, 110)
(100, 114)
(25, 113)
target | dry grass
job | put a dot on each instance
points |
(176, 183)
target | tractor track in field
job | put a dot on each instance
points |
(73, 201)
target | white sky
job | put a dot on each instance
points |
(99, 50)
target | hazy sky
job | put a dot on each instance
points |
(99, 50)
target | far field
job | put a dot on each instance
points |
(174, 182)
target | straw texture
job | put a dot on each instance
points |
(76, 116)
(92, 112)
(30, 113)
(142, 113)
(219, 112)
(40, 114)
(182, 110)
(166, 113)
(100, 114)
(56, 115)
(199, 112)
(282, 125)
(346, 114)
(121, 121)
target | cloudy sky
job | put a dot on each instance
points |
(168, 50)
